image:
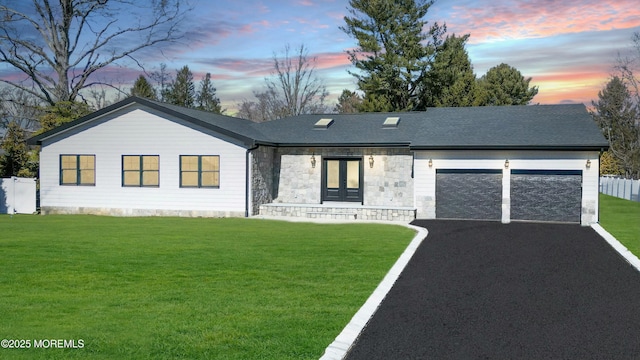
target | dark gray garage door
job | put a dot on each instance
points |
(546, 195)
(469, 194)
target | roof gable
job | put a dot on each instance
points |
(243, 131)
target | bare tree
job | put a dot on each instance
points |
(268, 106)
(99, 97)
(629, 66)
(294, 80)
(19, 107)
(58, 45)
(293, 89)
(163, 80)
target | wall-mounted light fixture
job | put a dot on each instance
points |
(588, 163)
(371, 161)
(506, 164)
(313, 161)
(430, 163)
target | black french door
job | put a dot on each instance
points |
(342, 179)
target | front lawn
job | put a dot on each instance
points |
(150, 288)
(621, 218)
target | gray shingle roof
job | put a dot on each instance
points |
(555, 127)
(490, 127)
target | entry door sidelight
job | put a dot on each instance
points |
(342, 180)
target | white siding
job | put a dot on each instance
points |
(425, 176)
(134, 131)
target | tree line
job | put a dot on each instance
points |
(401, 62)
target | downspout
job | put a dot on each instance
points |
(247, 179)
(599, 184)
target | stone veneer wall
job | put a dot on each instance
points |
(388, 183)
(339, 213)
(263, 180)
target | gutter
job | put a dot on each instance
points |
(510, 147)
(353, 145)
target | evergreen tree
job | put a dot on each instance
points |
(142, 88)
(504, 85)
(206, 98)
(609, 165)
(450, 81)
(619, 118)
(348, 103)
(62, 112)
(182, 91)
(393, 53)
(16, 152)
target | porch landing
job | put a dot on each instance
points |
(339, 211)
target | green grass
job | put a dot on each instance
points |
(154, 288)
(621, 218)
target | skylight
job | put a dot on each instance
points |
(391, 123)
(323, 124)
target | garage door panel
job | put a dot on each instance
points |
(469, 194)
(546, 195)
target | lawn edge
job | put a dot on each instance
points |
(347, 337)
(617, 246)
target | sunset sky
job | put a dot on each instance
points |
(568, 47)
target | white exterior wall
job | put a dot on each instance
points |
(425, 176)
(133, 131)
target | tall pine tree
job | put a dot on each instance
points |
(142, 88)
(206, 97)
(393, 53)
(450, 81)
(182, 91)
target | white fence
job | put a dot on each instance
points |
(622, 188)
(17, 195)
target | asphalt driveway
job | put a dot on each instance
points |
(486, 290)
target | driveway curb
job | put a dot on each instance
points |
(343, 342)
(617, 245)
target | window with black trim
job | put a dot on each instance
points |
(141, 170)
(78, 170)
(200, 171)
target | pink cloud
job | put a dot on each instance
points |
(331, 60)
(535, 18)
(240, 67)
(314, 23)
(336, 15)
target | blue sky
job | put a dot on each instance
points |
(568, 47)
